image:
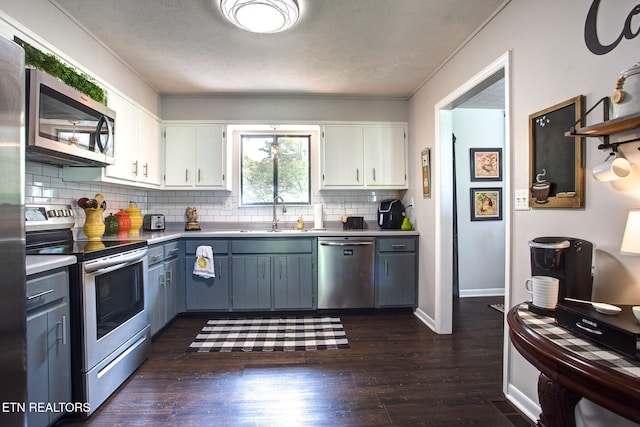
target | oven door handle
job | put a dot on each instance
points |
(113, 263)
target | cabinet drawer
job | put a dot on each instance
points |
(272, 246)
(171, 249)
(400, 244)
(155, 254)
(47, 288)
(218, 246)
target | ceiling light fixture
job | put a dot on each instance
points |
(261, 16)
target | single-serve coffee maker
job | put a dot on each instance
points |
(567, 259)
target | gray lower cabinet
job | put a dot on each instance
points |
(396, 272)
(48, 346)
(163, 284)
(207, 294)
(273, 274)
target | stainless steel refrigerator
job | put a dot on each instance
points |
(13, 369)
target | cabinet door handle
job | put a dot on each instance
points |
(199, 175)
(145, 170)
(134, 168)
(186, 175)
(374, 174)
(173, 251)
(386, 267)
(357, 175)
(280, 261)
(219, 272)
(64, 329)
(168, 275)
(264, 268)
(39, 294)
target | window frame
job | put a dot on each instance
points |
(276, 165)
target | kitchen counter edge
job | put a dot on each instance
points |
(164, 236)
(35, 264)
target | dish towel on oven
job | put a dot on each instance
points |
(203, 266)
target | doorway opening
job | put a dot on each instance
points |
(495, 77)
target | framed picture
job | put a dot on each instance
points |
(556, 161)
(426, 173)
(486, 204)
(486, 164)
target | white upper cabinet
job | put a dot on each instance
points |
(138, 157)
(385, 156)
(196, 157)
(342, 154)
(363, 156)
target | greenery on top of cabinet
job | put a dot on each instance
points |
(51, 65)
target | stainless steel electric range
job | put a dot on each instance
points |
(110, 332)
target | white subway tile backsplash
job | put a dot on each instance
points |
(44, 184)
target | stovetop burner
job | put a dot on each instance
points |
(86, 250)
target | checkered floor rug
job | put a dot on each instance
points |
(271, 334)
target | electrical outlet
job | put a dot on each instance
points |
(522, 200)
(227, 204)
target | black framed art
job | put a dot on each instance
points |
(486, 204)
(486, 164)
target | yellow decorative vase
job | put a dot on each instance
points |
(93, 224)
(135, 216)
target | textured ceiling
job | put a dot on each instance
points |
(381, 48)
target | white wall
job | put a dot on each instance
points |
(43, 25)
(549, 64)
(481, 248)
(283, 108)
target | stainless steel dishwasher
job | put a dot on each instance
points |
(345, 272)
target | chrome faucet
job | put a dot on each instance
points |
(274, 224)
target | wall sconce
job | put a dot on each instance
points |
(631, 238)
(613, 168)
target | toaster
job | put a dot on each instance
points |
(153, 222)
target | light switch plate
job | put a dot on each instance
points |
(522, 200)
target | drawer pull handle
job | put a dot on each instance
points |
(173, 251)
(399, 246)
(39, 294)
(591, 331)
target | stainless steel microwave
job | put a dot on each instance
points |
(64, 126)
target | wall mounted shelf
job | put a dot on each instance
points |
(608, 127)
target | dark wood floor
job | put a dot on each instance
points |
(396, 372)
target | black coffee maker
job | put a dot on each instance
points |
(567, 259)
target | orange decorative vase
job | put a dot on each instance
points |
(93, 223)
(124, 223)
(135, 216)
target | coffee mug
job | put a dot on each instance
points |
(612, 168)
(543, 290)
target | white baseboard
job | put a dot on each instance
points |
(424, 318)
(490, 292)
(525, 405)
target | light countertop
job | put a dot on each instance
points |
(237, 230)
(40, 263)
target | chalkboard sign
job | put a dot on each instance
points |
(556, 168)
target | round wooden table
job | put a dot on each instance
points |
(572, 367)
